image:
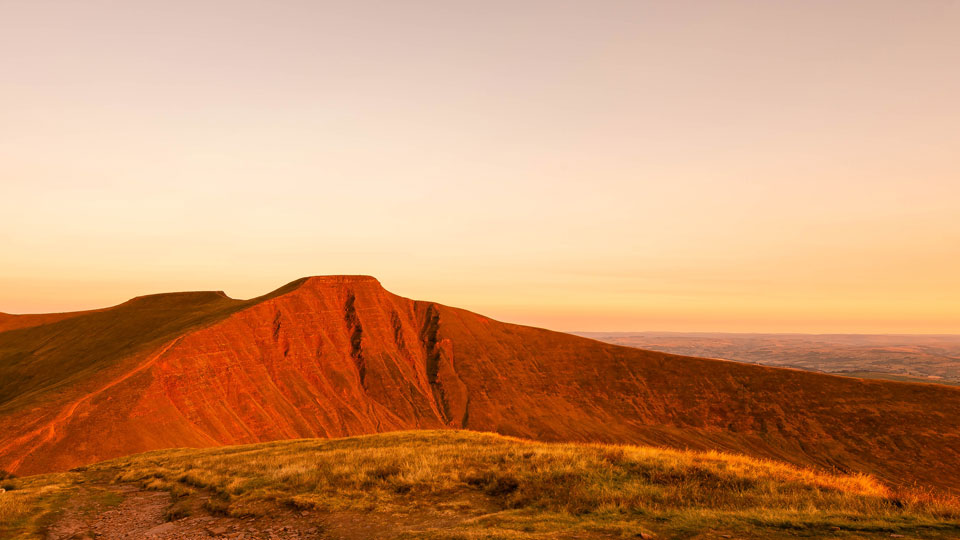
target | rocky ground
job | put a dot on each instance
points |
(140, 515)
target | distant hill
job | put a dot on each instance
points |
(905, 357)
(338, 356)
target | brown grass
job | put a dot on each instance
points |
(482, 485)
(511, 487)
(30, 504)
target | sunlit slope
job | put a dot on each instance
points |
(41, 352)
(338, 356)
(454, 484)
(43, 356)
(50, 364)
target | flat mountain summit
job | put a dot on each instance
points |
(335, 356)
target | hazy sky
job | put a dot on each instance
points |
(669, 165)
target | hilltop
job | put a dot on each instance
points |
(452, 485)
(338, 356)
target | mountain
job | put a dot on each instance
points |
(340, 356)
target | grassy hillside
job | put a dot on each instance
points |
(457, 484)
(43, 355)
(45, 358)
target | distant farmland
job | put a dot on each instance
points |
(911, 358)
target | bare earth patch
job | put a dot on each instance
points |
(141, 515)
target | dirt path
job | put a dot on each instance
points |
(127, 512)
(140, 515)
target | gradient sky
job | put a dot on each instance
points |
(717, 166)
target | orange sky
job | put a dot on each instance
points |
(716, 166)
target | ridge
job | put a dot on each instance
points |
(338, 355)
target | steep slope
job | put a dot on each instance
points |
(40, 352)
(338, 356)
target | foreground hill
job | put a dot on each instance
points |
(450, 484)
(339, 355)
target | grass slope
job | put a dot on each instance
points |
(43, 360)
(49, 357)
(476, 485)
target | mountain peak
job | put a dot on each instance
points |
(327, 283)
(339, 279)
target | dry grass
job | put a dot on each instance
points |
(522, 487)
(30, 504)
(488, 486)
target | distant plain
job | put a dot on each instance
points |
(896, 357)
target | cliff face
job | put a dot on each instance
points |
(339, 355)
